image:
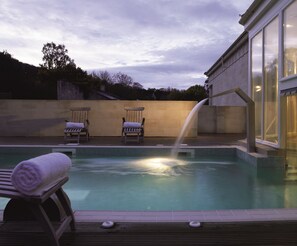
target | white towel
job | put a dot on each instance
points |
(35, 176)
(132, 124)
(74, 125)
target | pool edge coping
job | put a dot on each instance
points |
(203, 216)
(244, 215)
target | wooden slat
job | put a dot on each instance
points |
(134, 114)
(63, 226)
(160, 234)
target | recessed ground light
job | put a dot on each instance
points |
(107, 224)
(194, 224)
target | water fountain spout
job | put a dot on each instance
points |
(250, 120)
(185, 127)
(250, 104)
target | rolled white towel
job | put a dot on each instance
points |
(35, 176)
(132, 124)
(74, 125)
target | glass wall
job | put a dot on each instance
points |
(291, 130)
(271, 82)
(273, 64)
(265, 81)
(290, 40)
(292, 122)
(290, 69)
(256, 64)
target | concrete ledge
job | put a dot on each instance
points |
(260, 160)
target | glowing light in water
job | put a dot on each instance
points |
(185, 127)
(160, 166)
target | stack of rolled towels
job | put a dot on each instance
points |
(35, 176)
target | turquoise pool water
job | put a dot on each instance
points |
(163, 184)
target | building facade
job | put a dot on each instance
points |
(272, 72)
(271, 78)
(228, 72)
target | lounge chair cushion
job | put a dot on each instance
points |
(35, 176)
(131, 124)
(74, 125)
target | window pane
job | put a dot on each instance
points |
(257, 81)
(291, 150)
(271, 82)
(292, 122)
(290, 40)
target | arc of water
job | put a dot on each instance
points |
(185, 126)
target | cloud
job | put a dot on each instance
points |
(180, 67)
(159, 43)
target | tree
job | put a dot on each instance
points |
(55, 56)
(195, 93)
(18, 80)
(5, 53)
(105, 76)
(137, 85)
(121, 78)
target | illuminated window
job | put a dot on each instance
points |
(257, 81)
(264, 64)
(271, 82)
(290, 40)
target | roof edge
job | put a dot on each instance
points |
(242, 38)
(250, 11)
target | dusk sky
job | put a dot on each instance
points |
(159, 43)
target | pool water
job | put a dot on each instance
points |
(165, 184)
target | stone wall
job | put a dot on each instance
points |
(163, 118)
(68, 91)
(222, 119)
(229, 72)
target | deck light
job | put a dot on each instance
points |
(107, 224)
(194, 224)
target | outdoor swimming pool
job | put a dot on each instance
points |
(111, 179)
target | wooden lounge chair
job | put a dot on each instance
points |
(78, 127)
(35, 205)
(133, 124)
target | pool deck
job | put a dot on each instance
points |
(158, 234)
(201, 140)
(218, 227)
